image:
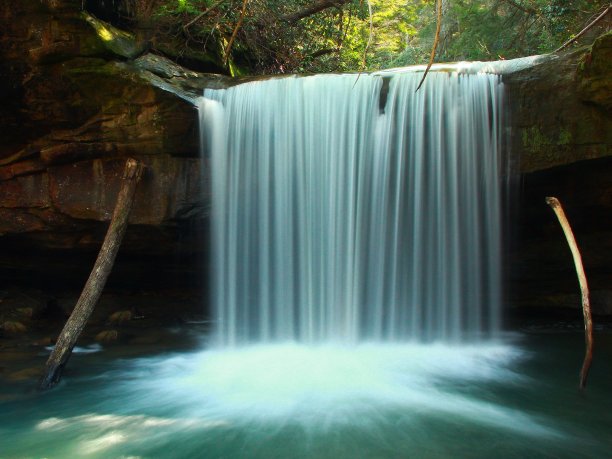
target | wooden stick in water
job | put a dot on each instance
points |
(584, 288)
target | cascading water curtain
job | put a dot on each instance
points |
(353, 209)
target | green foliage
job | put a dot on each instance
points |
(337, 37)
(501, 29)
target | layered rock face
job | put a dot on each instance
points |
(561, 145)
(72, 109)
(78, 97)
(560, 110)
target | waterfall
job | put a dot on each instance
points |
(350, 209)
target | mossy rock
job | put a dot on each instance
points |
(595, 73)
(13, 327)
(107, 336)
(120, 317)
(118, 42)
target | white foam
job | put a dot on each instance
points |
(327, 385)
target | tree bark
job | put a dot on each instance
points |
(314, 8)
(97, 279)
(584, 288)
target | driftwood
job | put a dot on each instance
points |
(97, 279)
(584, 288)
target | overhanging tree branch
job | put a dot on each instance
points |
(583, 31)
(323, 52)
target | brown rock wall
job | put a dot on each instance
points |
(72, 110)
(560, 110)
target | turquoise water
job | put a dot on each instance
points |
(511, 399)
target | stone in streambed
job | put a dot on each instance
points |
(13, 327)
(107, 336)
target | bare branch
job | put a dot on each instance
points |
(583, 31)
(202, 14)
(435, 43)
(323, 52)
(314, 8)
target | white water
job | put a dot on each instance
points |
(341, 214)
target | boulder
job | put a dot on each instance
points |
(560, 109)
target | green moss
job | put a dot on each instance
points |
(534, 139)
(236, 70)
(117, 41)
(565, 137)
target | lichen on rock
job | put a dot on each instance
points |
(595, 73)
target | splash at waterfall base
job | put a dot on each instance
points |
(365, 401)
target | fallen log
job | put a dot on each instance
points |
(97, 279)
(584, 288)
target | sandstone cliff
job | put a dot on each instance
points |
(77, 97)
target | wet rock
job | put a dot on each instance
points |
(120, 317)
(560, 109)
(26, 312)
(70, 114)
(13, 327)
(43, 342)
(594, 70)
(541, 270)
(107, 336)
(119, 42)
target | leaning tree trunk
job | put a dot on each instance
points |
(97, 279)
